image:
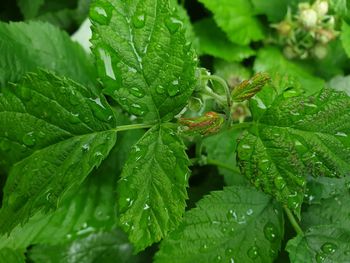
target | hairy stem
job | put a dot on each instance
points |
(222, 165)
(223, 83)
(293, 221)
(133, 127)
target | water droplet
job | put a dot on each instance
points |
(280, 183)
(73, 99)
(173, 24)
(228, 251)
(85, 148)
(342, 134)
(107, 61)
(218, 258)
(320, 257)
(270, 232)
(137, 92)
(25, 93)
(137, 109)
(74, 118)
(100, 14)
(253, 252)
(250, 212)
(293, 201)
(245, 146)
(99, 110)
(204, 248)
(160, 89)
(98, 155)
(29, 139)
(173, 89)
(139, 20)
(146, 207)
(329, 248)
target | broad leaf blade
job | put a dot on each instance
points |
(29, 46)
(10, 255)
(236, 18)
(320, 244)
(294, 138)
(238, 224)
(212, 41)
(143, 57)
(152, 188)
(57, 146)
(106, 247)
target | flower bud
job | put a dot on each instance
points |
(208, 124)
(320, 51)
(321, 7)
(289, 52)
(284, 28)
(308, 18)
(248, 88)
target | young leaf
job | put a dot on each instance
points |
(275, 10)
(152, 188)
(10, 255)
(212, 41)
(238, 224)
(143, 57)
(65, 132)
(297, 137)
(320, 244)
(236, 18)
(29, 46)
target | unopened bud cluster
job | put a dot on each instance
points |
(307, 33)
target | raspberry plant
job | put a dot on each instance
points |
(198, 131)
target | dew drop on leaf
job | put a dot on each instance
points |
(218, 258)
(270, 232)
(101, 15)
(137, 92)
(139, 20)
(280, 183)
(329, 248)
(74, 118)
(85, 148)
(293, 201)
(173, 89)
(107, 61)
(173, 24)
(137, 109)
(160, 89)
(29, 139)
(320, 258)
(253, 252)
(99, 110)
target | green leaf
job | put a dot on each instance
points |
(29, 46)
(293, 138)
(237, 19)
(330, 204)
(345, 37)
(320, 244)
(143, 57)
(340, 83)
(103, 247)
(271, 60)
(275, 10)
(152, 188)
(11, 256)
(65, 131)
(214, 42)
(340, 7)
(91, 209)
(30, 8)
(238, 224)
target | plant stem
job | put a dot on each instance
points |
(133, 127)
(293, 221)
(208, 91)
(223, 83)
